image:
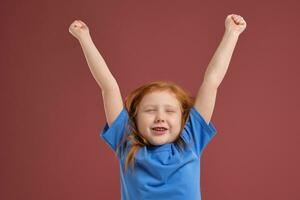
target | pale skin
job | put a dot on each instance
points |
(162, 109)
(217, 67)
(206, 96)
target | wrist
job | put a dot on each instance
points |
(232, 33)
(84, 38)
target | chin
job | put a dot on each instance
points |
(159, 143)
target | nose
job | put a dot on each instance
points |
(160, 120)
(160, 117)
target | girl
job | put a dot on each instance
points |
(160, 132)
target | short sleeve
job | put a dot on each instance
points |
(197, 132)
(114, 134)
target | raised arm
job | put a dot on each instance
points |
(112, 99)
(217, 67)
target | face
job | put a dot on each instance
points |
(159, 109)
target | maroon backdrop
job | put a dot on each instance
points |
(52, 109)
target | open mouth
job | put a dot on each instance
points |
(159, 130)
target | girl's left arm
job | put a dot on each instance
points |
(217, 67)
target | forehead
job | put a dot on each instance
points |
(160, 98)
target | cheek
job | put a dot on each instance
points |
(175, 118)
(177, 122)
(143, 122)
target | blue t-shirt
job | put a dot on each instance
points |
(162, 172)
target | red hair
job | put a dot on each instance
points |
(132, 102)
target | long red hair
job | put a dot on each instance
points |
(132, 102)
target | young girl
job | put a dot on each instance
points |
(160, 132)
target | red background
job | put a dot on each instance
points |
(52, 109)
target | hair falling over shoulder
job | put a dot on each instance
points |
(132, 102)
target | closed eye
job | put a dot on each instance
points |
(149, 110)
(170, 111)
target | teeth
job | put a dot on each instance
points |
(159, 129)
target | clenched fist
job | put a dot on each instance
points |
(235, 23)
(79, 29)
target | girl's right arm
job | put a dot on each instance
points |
(112, 98)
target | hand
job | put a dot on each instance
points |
(79, 29)
(235, 23)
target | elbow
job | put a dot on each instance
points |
(212, 82)
(109, 85)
